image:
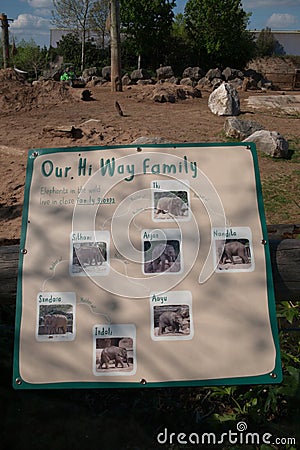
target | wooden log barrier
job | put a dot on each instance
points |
(284, 244)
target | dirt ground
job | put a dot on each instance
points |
(54, 116)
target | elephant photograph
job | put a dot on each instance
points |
(114, 354)
(171, 320)
(55, 320)
(234, 254)
(88, 256)
(162, 256)
(170, 204)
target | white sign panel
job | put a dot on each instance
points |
(144, 266)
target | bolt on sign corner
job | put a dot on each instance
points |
(144, 266)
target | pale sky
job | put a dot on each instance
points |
(32, 17)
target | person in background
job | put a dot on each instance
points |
(68, 75)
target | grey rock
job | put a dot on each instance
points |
(253, 74)
(188, 82)
(213, 73)
(150, 140)
(204, 83)
(237, 83)
(144, 82)
(168, 92)
(216, 82)
(240, 129)
(87, 74)
(173, 80)
(163, 96)
(194, 73)
(264, 85)
(231, 74)
(139, 74)
(106, 72)
(224, 101)
(164, 72)
(270, 142)
(96, 81)
(126, 80)
(189, 92)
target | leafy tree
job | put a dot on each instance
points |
(95, 56)
(30, 57)
(69, 47)
(76, 15)
(180, 54)
(267, 45)
(100, 12)
(147, 26)
(217, 32)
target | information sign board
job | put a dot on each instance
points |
(144, 266)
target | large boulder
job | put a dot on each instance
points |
(213, 73)
(253, 74)
(237, 83)
(188, 82)
(256, 80)
(231, 74)
(106, 72)
(95, 81)
(174, 80)
(164, 72)
(87, 74)
(139, 74)
(204, 83)
(126, 80)
(168, 92)
(185, 91)
(163, 94)
(224, 101)
(240, 129)
(270, 142)
(194, 73)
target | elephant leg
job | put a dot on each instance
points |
(118, 360)
(163, 259)
(244, 257)
(155, 264)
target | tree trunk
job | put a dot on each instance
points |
(5, 40)
(83, 51)
(116, 78)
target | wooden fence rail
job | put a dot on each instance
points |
(284, 243)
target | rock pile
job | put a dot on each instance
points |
(16, 94)
(191, 76)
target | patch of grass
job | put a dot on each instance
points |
(279, 194)
(294, 147)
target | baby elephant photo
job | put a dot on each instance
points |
(163, 257)
(171, 205)
(172, 320)
(235, 253)
(114, 355)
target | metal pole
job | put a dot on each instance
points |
(5, 40)
(115, 46)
